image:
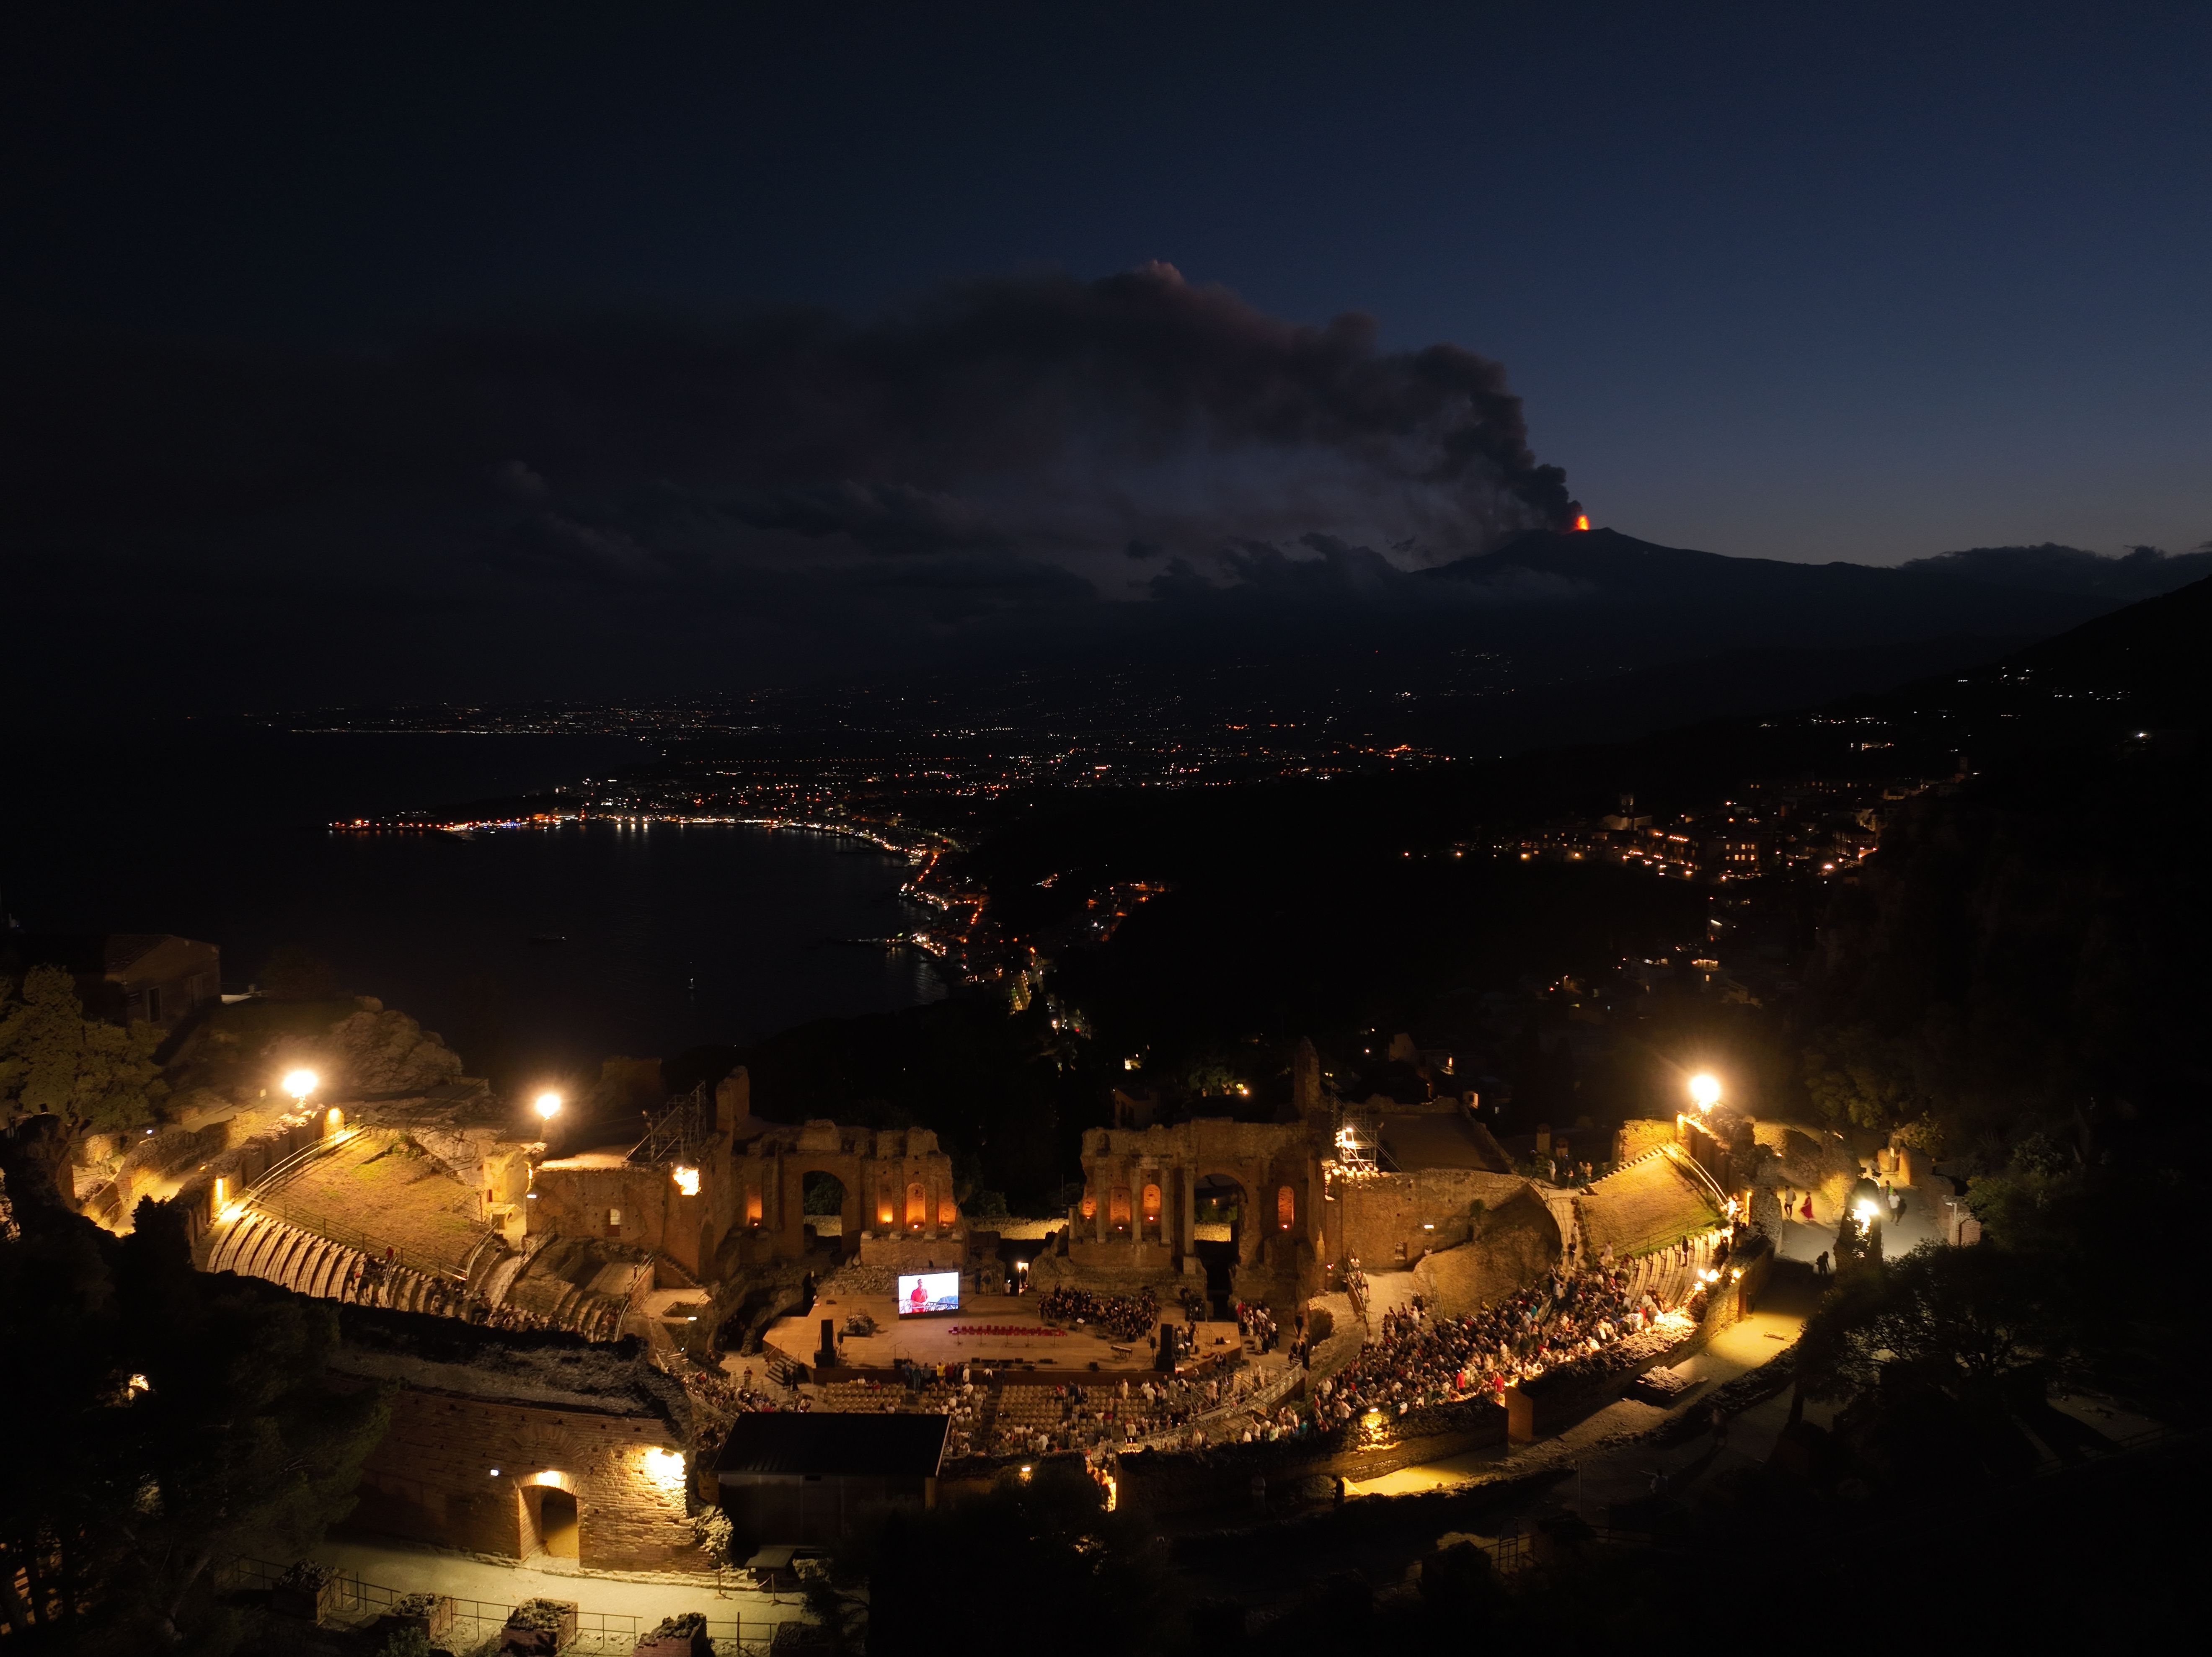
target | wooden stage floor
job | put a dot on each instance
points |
(930, 1339)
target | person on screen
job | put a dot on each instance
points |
(917, 1300)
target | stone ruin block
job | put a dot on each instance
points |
(538, 1627)
(676, 1636)
(432, 1613)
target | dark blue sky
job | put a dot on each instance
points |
(1865, 282)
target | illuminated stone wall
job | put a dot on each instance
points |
(1390, 1220)
(431, 1480)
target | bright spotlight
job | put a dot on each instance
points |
(687, 1181)
(1865, 1213)
(549, 1105)
(1705, 1089)
(301, 1083)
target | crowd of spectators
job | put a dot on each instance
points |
(1125, 1317)
(1568, 1320)
(1069, 1416)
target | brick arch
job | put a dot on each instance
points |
(1203, 1172)
(848, 1178)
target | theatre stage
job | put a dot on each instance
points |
(931, 1340)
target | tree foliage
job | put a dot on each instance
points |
(95, 1075)
(169, 1419)
(1860, 1078)
(1971, 1323)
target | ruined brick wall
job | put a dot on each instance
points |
(1393, 1219)
(430, 1480)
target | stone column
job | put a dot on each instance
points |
(1187, 1178)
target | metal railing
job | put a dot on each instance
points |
(1262, 1397)
(477, 1623)
(674, 1135)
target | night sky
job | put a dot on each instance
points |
(491, 346)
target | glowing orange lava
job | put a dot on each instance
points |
(1583, 522)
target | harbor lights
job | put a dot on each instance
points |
(1704, 1090)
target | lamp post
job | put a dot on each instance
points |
(1704, 1090)
(548, 1105)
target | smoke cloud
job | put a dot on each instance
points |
(670, 503)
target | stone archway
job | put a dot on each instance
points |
(825, 1206)
(1221, 1203)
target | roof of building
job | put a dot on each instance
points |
(117, 956)
(876, 1446)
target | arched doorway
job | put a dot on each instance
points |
(821, 1206)
(553, 1518)
(1220, 1207)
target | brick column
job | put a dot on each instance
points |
(1187, 1178)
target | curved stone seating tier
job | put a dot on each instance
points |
(258, 1245)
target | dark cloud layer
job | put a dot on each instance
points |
(672, 503)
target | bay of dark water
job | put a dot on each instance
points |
(669, 935)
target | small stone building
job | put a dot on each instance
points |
(789, 1479)
(127, 978)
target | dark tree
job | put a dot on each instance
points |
(164, 1419)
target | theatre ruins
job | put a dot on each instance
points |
(609, 1314)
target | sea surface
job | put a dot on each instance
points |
(535, 952)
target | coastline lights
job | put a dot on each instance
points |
(300, 1084)
(1705, 1089)
(548, 1105)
